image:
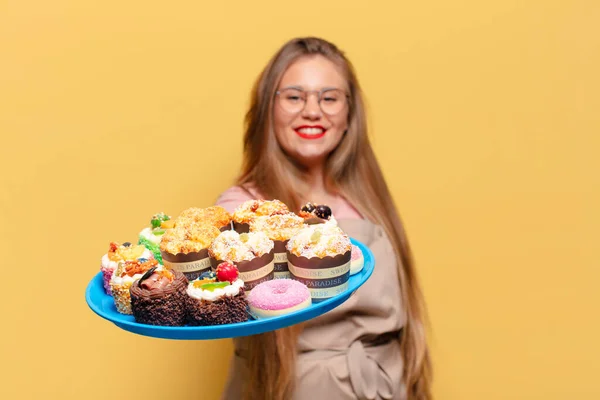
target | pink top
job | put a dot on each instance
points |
(235, 195)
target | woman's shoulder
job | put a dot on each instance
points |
(231, 198)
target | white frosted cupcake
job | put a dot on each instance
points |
(252, 253)
(319, 256)
(279, 228)
(219, 300)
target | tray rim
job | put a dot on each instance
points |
(253, 327)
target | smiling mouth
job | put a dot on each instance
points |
(310, 132)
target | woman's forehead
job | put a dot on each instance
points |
(313, 73)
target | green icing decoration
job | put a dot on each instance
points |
(212, 286)
(153, 247)
(158, 219)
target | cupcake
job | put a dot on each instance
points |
(252, 253)
(116, 253)
(185, 248)
(126, 273)
(247, 211)
(215, 215)
(319, 256)
(217, 301)
(150, 236)
(159, 298)
(279, 228)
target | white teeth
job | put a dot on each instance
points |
(310, 131)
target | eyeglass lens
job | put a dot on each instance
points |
(293, 100)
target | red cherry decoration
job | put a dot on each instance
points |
(227, 271)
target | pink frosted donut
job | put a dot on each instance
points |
(357, 261)
(278, 297)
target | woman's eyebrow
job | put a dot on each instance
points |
(302, 88)
(292, 87)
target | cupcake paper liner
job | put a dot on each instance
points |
(325, 277)
(281, 270)
(192, 265)
(254, 271)
(241, 227)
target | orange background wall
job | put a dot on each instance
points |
(484, 117)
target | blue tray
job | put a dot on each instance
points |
(103, 305)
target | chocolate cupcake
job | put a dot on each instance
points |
(159, 298)
(279, 228)
(214, 301)
(185, 248)
(247, 211)
(319, 256)
(252, 253)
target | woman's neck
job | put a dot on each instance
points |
(317, 189)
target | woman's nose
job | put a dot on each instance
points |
(312, 109)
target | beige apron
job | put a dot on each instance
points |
(353, 351)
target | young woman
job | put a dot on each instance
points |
(306, 140)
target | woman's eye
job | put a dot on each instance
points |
(293, 98)
(330, 99)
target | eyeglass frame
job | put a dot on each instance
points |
(319, 97)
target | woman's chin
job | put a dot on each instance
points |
(309, 160)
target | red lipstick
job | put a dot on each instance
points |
(304, 135)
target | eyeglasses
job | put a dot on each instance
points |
(293, 100)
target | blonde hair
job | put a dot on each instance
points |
(350, 169)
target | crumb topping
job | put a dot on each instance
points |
(320, 240)
(132, 268)
(278, 227)
(250, 209)
(215, 215)
(187, 239)
(235, 247)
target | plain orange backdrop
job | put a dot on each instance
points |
(484, 116)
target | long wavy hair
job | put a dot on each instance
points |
(351, 169)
